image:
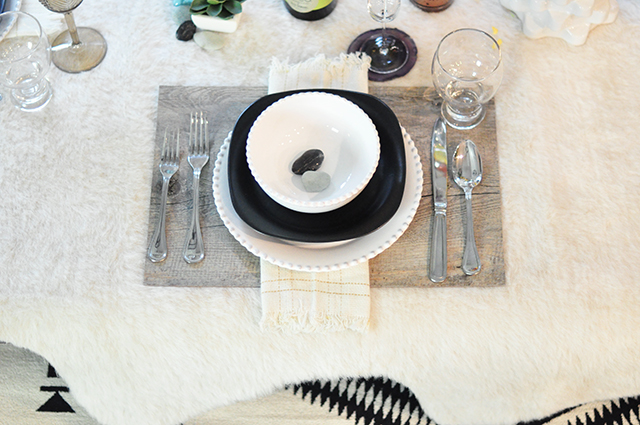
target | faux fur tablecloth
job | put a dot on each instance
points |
(74, 185)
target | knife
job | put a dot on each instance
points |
(438, 260)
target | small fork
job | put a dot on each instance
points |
(169, 163)
(198, 158)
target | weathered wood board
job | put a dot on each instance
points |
(404, 264)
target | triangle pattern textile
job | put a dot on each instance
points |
(345, 401)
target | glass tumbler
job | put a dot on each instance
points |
(466, 71)
(25, 58)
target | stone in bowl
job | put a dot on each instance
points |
(313, 120)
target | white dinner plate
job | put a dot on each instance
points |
(327, 257)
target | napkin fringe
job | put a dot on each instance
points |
(329, 71)
(321, 63)
(304, 321)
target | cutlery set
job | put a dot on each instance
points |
(198, 157)
(466, 170)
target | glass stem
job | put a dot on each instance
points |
(384, 47)
(73, 31)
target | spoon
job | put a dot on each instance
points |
(467, 173)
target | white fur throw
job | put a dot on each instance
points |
(74, 187)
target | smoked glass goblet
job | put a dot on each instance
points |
(79, 48)
(25, 59)
(466, 71)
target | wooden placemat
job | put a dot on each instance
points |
(404, 264)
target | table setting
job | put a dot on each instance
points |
(485, 259)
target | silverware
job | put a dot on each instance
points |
(198, 158)
(169, 163)
(438, 258)
(467, 173)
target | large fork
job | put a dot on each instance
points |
(169, 163)
(198, 158)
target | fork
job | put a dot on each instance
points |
(169, 163)
(198, 158)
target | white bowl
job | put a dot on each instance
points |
(313, 120)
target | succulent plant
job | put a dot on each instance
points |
(224, 9)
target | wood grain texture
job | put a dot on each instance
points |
(404, 264)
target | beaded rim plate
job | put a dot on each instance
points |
(335, 257)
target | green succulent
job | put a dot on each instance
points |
(224, 9)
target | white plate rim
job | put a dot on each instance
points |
(290, 256)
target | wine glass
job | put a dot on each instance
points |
(25, 59)
(466, 71)
(387, 54)
(392, 52)
(78, 48)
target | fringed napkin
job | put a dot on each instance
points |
(295, 301)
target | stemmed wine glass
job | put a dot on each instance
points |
(79, 48)
(392, 52)
(387, 54)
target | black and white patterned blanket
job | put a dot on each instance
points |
(32, 393)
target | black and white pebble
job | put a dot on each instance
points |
(186, 30)
(315, 181)
(311, 160)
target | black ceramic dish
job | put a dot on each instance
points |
(372, 208)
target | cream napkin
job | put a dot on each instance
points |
(294, 301)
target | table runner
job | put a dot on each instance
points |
(404, 264)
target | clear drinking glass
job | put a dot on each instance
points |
(25, 58)
(466, 72)
(79, 48)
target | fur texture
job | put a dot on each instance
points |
(74, 181)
